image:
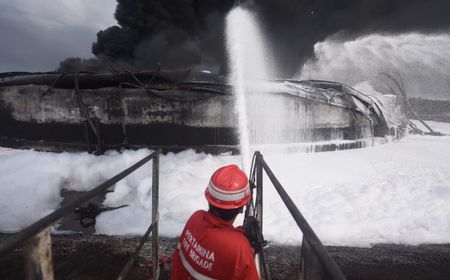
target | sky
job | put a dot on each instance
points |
(308, 39)
(38, 34)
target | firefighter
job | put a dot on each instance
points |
(209, 246)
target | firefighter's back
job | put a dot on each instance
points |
(211, 248)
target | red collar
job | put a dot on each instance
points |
(216, 221)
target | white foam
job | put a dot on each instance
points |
(393, 193)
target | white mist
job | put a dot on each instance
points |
(422, 61)
(247, 62)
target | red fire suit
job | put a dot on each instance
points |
(211, 248)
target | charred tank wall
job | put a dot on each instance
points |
(32, 115)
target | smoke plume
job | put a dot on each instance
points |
(166, 33)
(294, 27)
(189, 33)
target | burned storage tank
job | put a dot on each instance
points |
(175, 110)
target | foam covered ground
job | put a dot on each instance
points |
(393, 193)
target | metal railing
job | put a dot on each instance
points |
(36, 237)
(315, 260)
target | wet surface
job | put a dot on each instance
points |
(79, 256)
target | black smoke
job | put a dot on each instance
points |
(293, 27)
(164, 33)
(190, 33)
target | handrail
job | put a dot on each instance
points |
(46, 221)
(136, 253)
(332, 269)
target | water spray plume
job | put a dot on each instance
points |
(247, 61)
(423, 61)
